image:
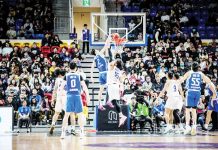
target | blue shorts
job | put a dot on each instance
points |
(209, 107)
(74, 104)
(103, 78)
(215, 104)
(192, 98)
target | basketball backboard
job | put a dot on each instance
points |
(131, 26)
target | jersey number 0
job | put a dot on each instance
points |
(73, 83)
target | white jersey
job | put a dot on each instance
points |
(60, 83)
(113, 76)
(173, 88)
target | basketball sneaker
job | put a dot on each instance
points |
(204, 129)
(168, 129)
(81, 134)
(51, 129)
(193, 131)
(63, 133)
(122, 120)
(73, 132)
(187, 130)
(110, 104)
(101, 107)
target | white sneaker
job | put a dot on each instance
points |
(187, 131)
(167, 130)
(81, 134)
(63, 134)
(193, 131)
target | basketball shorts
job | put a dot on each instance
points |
(74, 104)
(103, 78)
(113, 92)
(192, 98)
(60, 103)
(174, 102)
(214, 107)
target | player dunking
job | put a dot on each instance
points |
(174, 101)
(74, 102)
(59, 94)
(114, 80)
(102, 65)
(193, 84)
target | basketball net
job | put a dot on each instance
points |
(118, 42)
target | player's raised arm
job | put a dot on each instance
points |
(211, 85)
(184, 77)
(106, 45)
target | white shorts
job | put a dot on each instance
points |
(174, 102)
(60, 103)
(113, 92)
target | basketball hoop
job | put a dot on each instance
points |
(118, 42)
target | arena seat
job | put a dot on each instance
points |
(45, 50)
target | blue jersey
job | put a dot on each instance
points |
(101, 63)
(194, 81)
(73, 84)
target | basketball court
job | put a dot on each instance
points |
(120, 141)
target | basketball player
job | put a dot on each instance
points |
(114, 81)
(59, 94)
(74, 103)
(101, 63)
(193, 84)
(174, 94)
(210, 106)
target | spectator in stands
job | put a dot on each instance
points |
(158, 112)
(28, 26)
(11, 33)
(12, 102)
(36, 96)
(35, 50)
(53, 67)
(10, 20)
(165, 17)
(131, 24)
(147, 85)
(6, 51)
(24, 116)
(183, 20)
(37, 27)
(56, 41)
(46, 41)
(21, 33)
(39, 89)
(46, 109)
(35, 109)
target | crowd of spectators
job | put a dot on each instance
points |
(25, 19)
(26, 74)
(147, 69)
(169, 17)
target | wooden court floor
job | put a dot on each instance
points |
(42, 141)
